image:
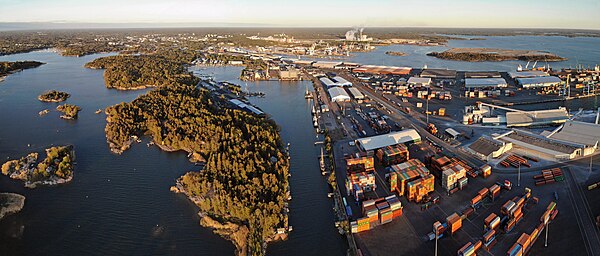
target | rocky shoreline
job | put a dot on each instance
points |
(10, 203)
(55, 169)
(234, 232)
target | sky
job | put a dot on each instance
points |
(312, 13)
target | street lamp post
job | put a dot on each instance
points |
(519, 176)
(427, 109)
(546, 242)
(436, 241)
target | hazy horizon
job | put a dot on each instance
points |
(534, 14)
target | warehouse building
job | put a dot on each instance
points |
(382, 70)
(289, 74)
(527, 74)
(246, 107)
(326, 64)
(327, 82)
(538, 82)
(439, 73)
(585, 134)
(483, 74)
(419, 81)
(472, 84)
(551, 148)
(356, 93)
(486, 148)
(370, 144)
(340, 81)
(338, 94)
(536, 118)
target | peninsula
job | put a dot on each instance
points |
(491, 54)
(53, 96)
(10, 203)
(241, 191)
(56, 168)
(7, 68)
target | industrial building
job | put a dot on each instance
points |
(526, 74)
(389, 139)
(439, 73)
(536, 118)
(326, 64)
(338, 94)
(587, 135)
(382, 70)
(483, 74)
(327, 82)
(356, 93)
(289, 74)
(486, 148)
(419, 81)
(472, 84)
(538, 82)
(551, 148)
(340, 81)
(247, 107)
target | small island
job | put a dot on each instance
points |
(56, 168)
(54, 96)
(70, 112)
(393, 53)
(10, 203)
(490, 54)
(7, 68)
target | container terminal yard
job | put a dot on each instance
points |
(444, 162)
(420, 154)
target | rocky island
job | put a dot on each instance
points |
(69, 111)
(490, 54)
(54, 96)
(10, 203)
(393, 53)
(56, 168)
(242, 190)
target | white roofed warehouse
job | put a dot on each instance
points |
(484, 83)
(380, 141)
(356, 93)
(537, 82)
(338, 94)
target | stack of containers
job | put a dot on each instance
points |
(358, 183)
(489, 238)
(515, 250)
(420, 188)
(492, 222)
(371, 213)
(524, 242)
(363, 224)
(454, 223)
(476, 201)
(395, 206)
(437, 163)
(486, 170)
(451, 174)
(467, 250)
(385, 212)
(494, 191)
(360, 163)
(401, 174)
(462, 183)
(391, 155)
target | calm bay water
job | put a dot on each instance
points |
(121, 205)
(579, 50)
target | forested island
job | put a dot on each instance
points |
(7, 67)
(10, 203)
(132, 72)
(69, 111)
(241, 191)
(53, 96)
(56, 168)
(490, 54)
